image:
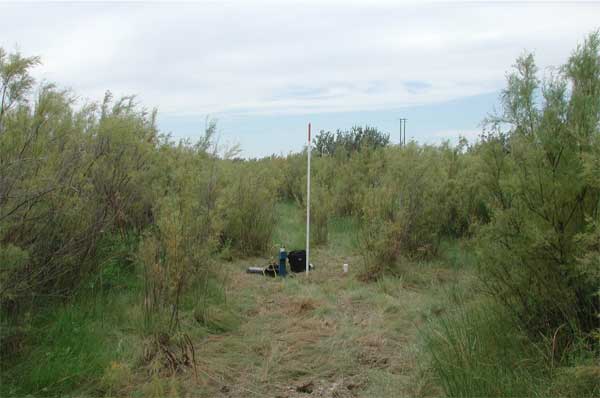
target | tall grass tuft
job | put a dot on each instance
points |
(71, 349)
(480, 352)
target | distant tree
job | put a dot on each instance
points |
(357, 138)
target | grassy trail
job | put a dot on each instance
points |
(327, 335)
(327, 332)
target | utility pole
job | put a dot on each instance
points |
(402, 121)
(400, 131)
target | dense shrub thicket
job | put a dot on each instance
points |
(537, 169)
(541, 168)
(73, 177)
(527, 192)
(408, 199)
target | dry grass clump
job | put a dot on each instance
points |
(300, 306)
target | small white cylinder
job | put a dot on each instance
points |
(345, 266)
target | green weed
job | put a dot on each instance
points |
(479, 351)
(71, 347)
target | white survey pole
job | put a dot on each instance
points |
(308, 204)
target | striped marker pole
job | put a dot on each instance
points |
(308, 204)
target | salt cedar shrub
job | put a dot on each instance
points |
(540, 161)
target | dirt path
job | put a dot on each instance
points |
(326, 335)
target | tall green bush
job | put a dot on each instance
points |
(68, 176)
(248, 208)
(403, 209)
(541, 177)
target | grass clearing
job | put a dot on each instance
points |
(327, 333)
(327, 330)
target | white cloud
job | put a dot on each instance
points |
(264, 57)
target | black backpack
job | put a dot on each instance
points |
(297, 259)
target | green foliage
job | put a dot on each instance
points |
(356, 139)
(407, 199)
(539, 177)
(458, 254)
(479, 352)
(293, 176)
(173, 256)
(320, 211)
(537, 332)
(176, 252)
(11, 258)
(414, 197)
(82, 172)
(248, 208)
(116, 263)
(15, 81)
(321, 205)
(290, 229)
(576, 381)
(343, 235)
(69, 349)
(78, 186)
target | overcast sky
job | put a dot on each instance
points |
(264, 69)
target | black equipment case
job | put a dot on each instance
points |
(297, 259)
